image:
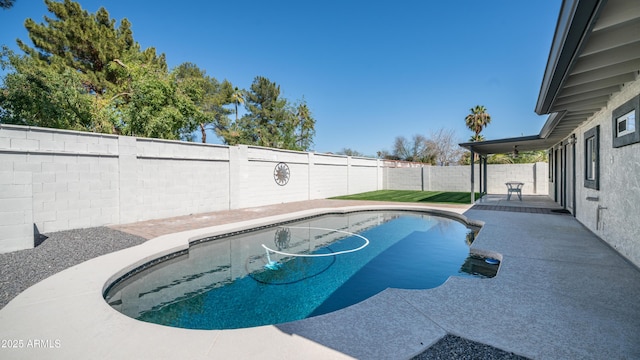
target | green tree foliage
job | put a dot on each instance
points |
(267, 115)
(207, 94)
(85, 42)
(153, 105)
(477, 120)
(6, 4)
(500, 159)
(301, 128)
(42, 96)
(84, 73)
(270, 121)
(237, 98)
(525, 157)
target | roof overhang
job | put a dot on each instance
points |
(595, 51)
(503, 146)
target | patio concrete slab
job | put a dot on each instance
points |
(382, 327)
(536, 201)
(560, 293)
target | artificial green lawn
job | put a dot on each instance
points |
(413, 196)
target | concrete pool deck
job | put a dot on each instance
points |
(560, 293)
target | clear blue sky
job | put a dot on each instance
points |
(369, 70)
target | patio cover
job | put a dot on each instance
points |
(595, 51)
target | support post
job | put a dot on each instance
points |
(473, 195)
(485, 174)
(480, 178)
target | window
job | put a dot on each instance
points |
(626, 123)
(592, 158)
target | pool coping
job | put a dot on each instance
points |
(257, 224)
(68, 317)
(70, 304)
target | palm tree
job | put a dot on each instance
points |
(478, 120)
(238, 98)
(476, 138)
(500, 159)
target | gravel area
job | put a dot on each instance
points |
(61, 250)
(454, 347)
(56, 252)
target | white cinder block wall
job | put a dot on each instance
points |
(52, 180)
(58, 180)
(262, 189)
(363, 175)
(178, 178)
(328, 176)
(405, 178)
(458, 178)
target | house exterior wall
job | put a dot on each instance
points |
(611, 211)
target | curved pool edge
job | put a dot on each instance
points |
(69, 307)
(183, 240)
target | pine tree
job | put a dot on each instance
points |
(85, 42)
(267, 113)
(271, 120)
(208, 95)
(84, 73)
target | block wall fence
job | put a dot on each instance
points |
(53, 180)
(457, 178)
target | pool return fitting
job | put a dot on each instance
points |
(274, 265)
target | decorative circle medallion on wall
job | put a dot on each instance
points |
(281, 174)
(282, 238)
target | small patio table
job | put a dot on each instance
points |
(514, 187)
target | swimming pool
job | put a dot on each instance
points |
(252, 279)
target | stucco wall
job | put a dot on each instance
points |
(619, 189)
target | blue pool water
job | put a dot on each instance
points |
(224, 283)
